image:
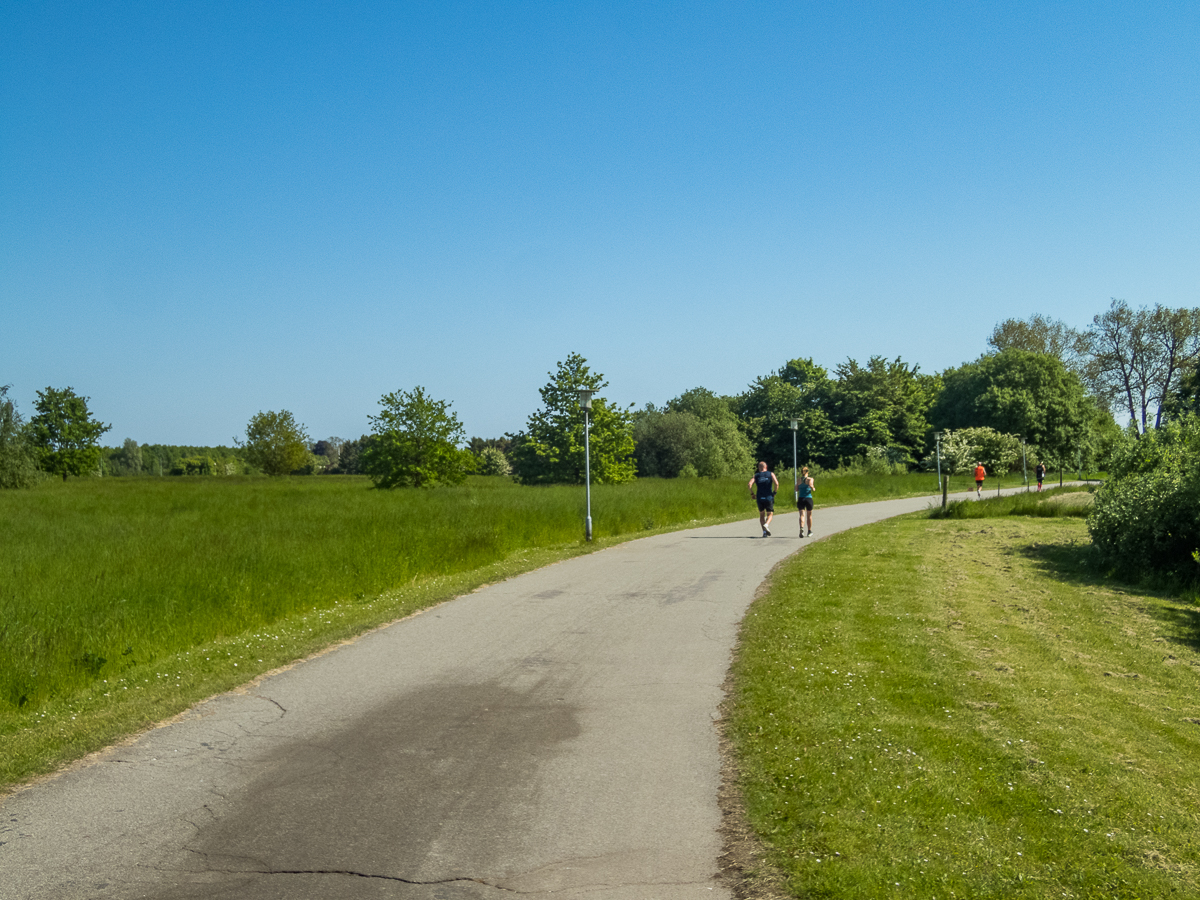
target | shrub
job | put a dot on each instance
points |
(1146, 519)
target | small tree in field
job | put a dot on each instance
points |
(275, 443)
(17, 465)
(415, 443)
(65, 437)
(551, 450)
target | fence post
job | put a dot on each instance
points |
(945, 488)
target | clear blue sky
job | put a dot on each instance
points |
(211, 209)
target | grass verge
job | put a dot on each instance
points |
(958, 709)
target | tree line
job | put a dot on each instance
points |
(1043, 388)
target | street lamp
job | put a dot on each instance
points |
(795, 426)
(942, 485)
(1024, 470)
(585, 403)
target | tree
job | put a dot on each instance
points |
(349, 460)
(415, 443)
(551, 449)
(492, 461)
(65, 437)
(882, 404)
(131, 457)
(798, 390)
(1136, 357)
(1040, 334)
(18, 467)
(695, 434)
(963, 448)
(1032, 395)
(275, 443)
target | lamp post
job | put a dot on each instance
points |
(1024, 470)
(585, 402)
(942, 485)
(795, 426)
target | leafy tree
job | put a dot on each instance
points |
(1032, 395)
(65, 437)
(1041, 334)
(415, 443)
(1136, 357)
(275, 443)
(551, 449)
(1146, 517)
(18, 467)
(350, 456)
(695, 434)
(799, 390)
(131, 456)
(1186, 396)
(504, 444)
(492, 461)
(327, 453)
(964, 447)
(882, 404)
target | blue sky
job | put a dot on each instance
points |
(207, 210)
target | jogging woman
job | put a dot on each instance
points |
(804, 499)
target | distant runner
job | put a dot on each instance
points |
(980, 474)
(1040, 472)
(762, 487)
(804, 499)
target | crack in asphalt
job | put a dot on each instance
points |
(354, 874)
(269, 700)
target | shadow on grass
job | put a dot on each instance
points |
(1078, 564)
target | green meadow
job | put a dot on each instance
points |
(963, 708)
(125, 600)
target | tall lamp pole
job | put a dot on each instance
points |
(937, 439)
(585, 402)
(795, 426)
(1024, 470)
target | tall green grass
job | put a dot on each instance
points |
(101, 575)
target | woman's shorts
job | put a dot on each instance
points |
(804, 503)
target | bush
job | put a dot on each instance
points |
(492, 461)
(1146, 519)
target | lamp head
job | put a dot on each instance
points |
(585, 398)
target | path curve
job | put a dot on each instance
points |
(549, 734)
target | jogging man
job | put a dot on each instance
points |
(980, 474)
(1040, 472)
(804, 499)
(762, 488)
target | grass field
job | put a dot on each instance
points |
(125, 600)
(959, 709)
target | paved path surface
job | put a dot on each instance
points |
(548, 735)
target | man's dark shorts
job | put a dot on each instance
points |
(804, 503)
(766, 503)
(978, 483)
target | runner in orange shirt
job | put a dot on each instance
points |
(980, 474)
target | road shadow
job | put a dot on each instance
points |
(1078, 564)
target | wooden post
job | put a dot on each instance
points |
(945, 488)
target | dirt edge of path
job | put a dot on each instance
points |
(745, 859)
(746, 868)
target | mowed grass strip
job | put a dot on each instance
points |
(957, 709)
(125, 600)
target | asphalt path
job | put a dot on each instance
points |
(551, 734)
